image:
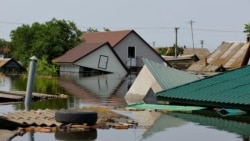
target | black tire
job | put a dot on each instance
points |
(83, 135)
(76, 116)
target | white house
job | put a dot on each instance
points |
(129, 46)
(91, 57)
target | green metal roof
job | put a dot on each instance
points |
(144, 106)
(230, 90)
(235, 125)
(169, 77)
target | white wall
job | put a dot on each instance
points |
(92, 61)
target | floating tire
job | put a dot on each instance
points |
(76, 116)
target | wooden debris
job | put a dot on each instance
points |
(44, 121)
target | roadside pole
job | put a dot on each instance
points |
(30, 83)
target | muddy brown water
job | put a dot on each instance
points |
(109, 92)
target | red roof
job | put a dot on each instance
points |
(113, 37)
(78, 52)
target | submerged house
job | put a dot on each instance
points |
(230, 89)
(181, 62)
(155, 77)
(228, 56)
(199, 52)
(9, 65)
(91, 58)
(128, 45)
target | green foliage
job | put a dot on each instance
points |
(170, 51)
(45, 68)
(41, 84)
(51, 39)
(247, 29)
(45, 104)
(3, 42)
(162, 51)
(90, 29)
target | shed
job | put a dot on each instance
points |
(91, 57)
(9, 65)
(157, 77)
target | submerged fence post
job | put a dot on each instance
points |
(30, 82)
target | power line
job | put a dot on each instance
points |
(146, 28)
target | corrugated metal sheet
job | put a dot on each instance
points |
(144, 106)
(200, 52)
(29, 118)
(230, 55)
(169, 77)
(228, 90)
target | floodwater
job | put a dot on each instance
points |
(109, 91)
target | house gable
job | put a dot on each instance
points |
(9, 65)
(95, 56)
(121, 40)
(103, 59)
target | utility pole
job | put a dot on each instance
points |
(191, 23)
(175, 49)
(202, 42)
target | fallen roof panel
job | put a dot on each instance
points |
(230, 90)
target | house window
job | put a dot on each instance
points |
(131, 52)
(103, 62)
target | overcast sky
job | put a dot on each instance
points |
(154, 20)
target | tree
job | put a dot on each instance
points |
(170, 51)
(44, 68)
(247, 29)
(4, 48)
(51, 39)
(90, 29)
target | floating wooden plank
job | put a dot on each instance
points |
(14, 97)
(20, 95)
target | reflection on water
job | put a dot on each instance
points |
(235, 124)
(109, 90)
(88, 135)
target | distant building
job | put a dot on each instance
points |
(228, 56)
(199, 52)
(10, 66)
(181, 62)
(187, 58)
